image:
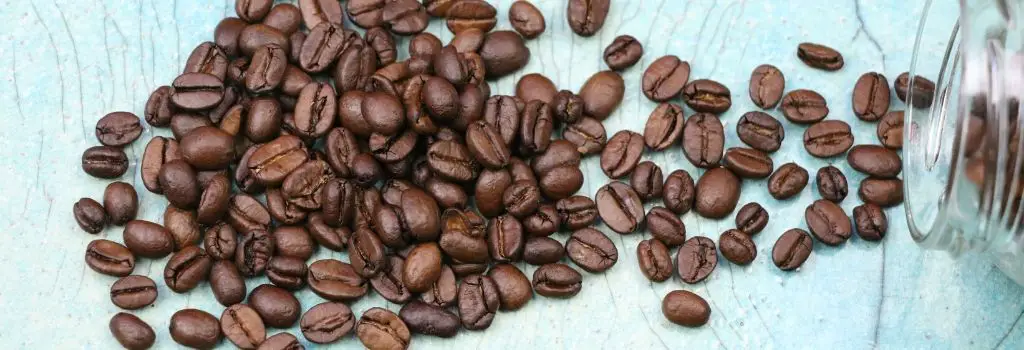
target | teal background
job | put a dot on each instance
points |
(65, 63)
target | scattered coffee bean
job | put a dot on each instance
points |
(131, 332)
(109, 258)
(542, 250)
(478, 302)
(601, 94)
(707, 96)
(591, 250)
(133, 292)
(622, 153)
(276, 306)
(679, 192)
(334, 280)
(871, 97)
(243, 326)
(586, 17)
(923, 91)
(882, 192)
(503, 52)
(227, 283)
(748, 162)
(766, 86)
(760, 131)
(620, 207)
(890, 130)
(874, 160)
(186, 269)
(535, 86)
(158, 151)
(703, 140)
(576, 212)
(871, 222)
(665, 78)
(380, 329)
(477, 14)
(147, 239)
(788, 180)
(514, 289)
(647, 180)
(118, 129)
(427, 319)
(623, 52)
(804, 106)
(287, 272)
(696, 259)
(820, 56)
(737, 247)
(664, 126)
(587, 134)
(792, 249)
(685, 308)
(90, 215)
(195, 328)
(828, 138)
(716, 193)
(526, 19)
(666, 226)
(751, 219)
(654, 259)
(832, 184)
(557, 280)
(327, 322)
(828, 223)
(104, 162)
(544, 222)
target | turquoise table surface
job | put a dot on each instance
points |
(66, 63)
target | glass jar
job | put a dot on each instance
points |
(962, 155)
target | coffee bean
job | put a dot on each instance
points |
(766, 86)
(276, 306)
(255, 36)
(923, 91)
(874, 160)
(490, 187)
(252, 11)
(748, 162)
(323, 46)
(591, 250)
(284, 17)
(405, 17)
(535, 86)
(544, 222)
(716, 193)
(242, 326)
(587, 135)
(118, 129)
(389, 283)
(647, 180)
(380, 329)
(881, 192)
(665, 78)
(254, 252)
(576, 212)
(703, 140)
(567, 107)
(285, 212)
(226, 35)
(355, 66)
(760, 131)
(561, 182)
(792, 249)
(334, 280)
(273, 161)
(737, 247)
(560, 153)
(751, 219)
(182, 225)
(587, 17)
(664, 126)
(427, 319)
(327, 322)
(890, 130)
(622, 153)
(707, 96)
(828, 138)
(832, 184)
(620, 207)
(236, 70)
(666, 226)
(478, 302)
(828, 223)
(90, 215)
(214, 201)
(366, 252)
(179, 184)
(158, 151)
(486, 145)
(131, 332)
(186, 269)
(183, 123)
(679, 192)
(226, 283)
(246, 214)
(685, 308)
(133, 292)
(444, 291)
(820, 56)
(514, 289)
(422, 267)
(654, 259)
(109, 258)
(196, 91)
(505, 238)
(557, 280)
(522, 198)
(208, 58)
(788, 180)
(623, 52)
(542, 250)
(293, 241)
(315, 111)
(104, 162)
(478, 14)
(195, 328)
(526, 19)
(871, 222)
(147, 239)
(208, 148)
(267, 69)
(602, 92)
(696, 259)
(804, 107)
(871, 97)
(304, 186)
(536, 127)
(315, 12)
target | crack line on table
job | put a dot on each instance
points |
(14, 80)
(881, 297)
(56, 57)
(760, 318)
(686, 10)
(718, 27)
(60, 268)
(78, 67)
(861, 27)
(715, 305)
(700, 33)
(650, 285)
(106, 50)
(1008, 331)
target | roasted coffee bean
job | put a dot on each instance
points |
(716, 193)
(266, 72)
(147, 239)
(315, 12)
(323, 46)
(466, 14)
(236, 70)
(334, 280)
(232, 96)
(521, 198)
(341, 147)
(881, 192)
(696, 259)
(183, 123)
(463, 236)
(526, 19)
(792, 249)
(591, 250)
(405, 17)
(333, 238)
(874, 160)
(293, 241)
(382, 43)
(383, 112)
(131, 332)
(804, 107)
(503, 113)
(338, 202)
(620, 207)
(367, 205)
(664, 126)
(470, 40)
(890, 130)
(542, 250)
(366, 170)
(208, 58)
(273, 161)
(587, 17)
(327, 322)
(365, 13)
(871, 222)
(536, 128)
(654, 259)
(703, 140)
(647, 180)
(561, 182)
(214, 201)
(665, 78)
(258, 35)
(478, 302)
(104, 162)
(535, 86)
(557, 280)
(543, 222)
(389, 284)
(242, 326)
(707, 96)
(158, 151)
(766, 86)
(252, 11)
(490, 187)
(602, 92)
(304, 186)
(226, 283)
(622, 153)
(444, 291)
(440, 99)
(282, 210)
(760, 131)
(748, 162)
(424, 45)
(355, 66)
(226, 35)
(427, 319)
(751, 219)
(366, 252)
(828, 223)
(133, 292)
(90, 215)
(503, 52)
(820, 56)
(666, 226)
(196, 91)
(179, 184)
(623, 52)
(787, 181)
(422, 267)
(109, 258)
(587, 134)
(118, 129)
(208, 148)
(832, 184)
(737, 247)
(685, 308)
(923, 91)
(186, 269)
(380, 329)
(246, 214)
(314, 113)
(277, 307)
(560, 153)
(679, 192)
(195, 329)
(871, 97)
(281, 341)
(567, 107)
(828, 138)
(486, 145)
(505, 238)
(182, 225)
(284, 17)
(254, 252)
(576, 212)
(514, 289)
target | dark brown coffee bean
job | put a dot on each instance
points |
(323, 46)
(283, 211)
(214, 201)
(804, 107)
(502, 53)
(315, 111)
(514, 289)
(620, 207)
(760, 131)
(490, 187)
(542, 250)
(828, 138)
(591, 250)
(871, 222)
(748, 162)
(266, 72)
(131, 332)
(466, 14)
(654, 259)
(383, 44)
(665, 78)
(195, 329)
(696, 259)
(737, 247)
(147, 239)
(281, 341)
(196, 91)
(518, 169)
(334, 280)
(118, 129)
(820, 56)
(623, 52)
(685, 308)
(389, 283)
(158, 151)
(356, 65)
(828, 223)
(544, 222)
(365, 13)
(227, 283)
(276, 306)
(622, 153)
(366, 252)
(871, 97)
(602, 93)
(792, 249)
(832, 184)
(787, 181)
(707, 96)
(486, 145)
(183, 123)
(567, 107)
(422, 267)
(703, 140)
(104, 162)
(273, 161)
(133, 292)
(882, 192)
(478, 302)
(923, 91)
(535, 86)
(463, 236)
(293, 241)
(890, 130)
(561, 182)
(258, 35)
(284, 17)
(186, 269)
(874, 160)
(679, 191)
(254, 252)
(504, 114)
(327, 322)
(716, 193)
(505, 238)
(427, 319)
(405, 17)
(766, 86)
(587, 134)
(341, 147)
(208, 58)
(333, 238)
(220, 241)
(751, 219)
(666, 226)
(179, 184)
(109, 258)
(304, 186)
(587, 17)
(380, 329)
(243, 326)
(526, 19)
(90, 215)
(226, 35)
(208, 148)
(252, 11)
(521, 198)
(664, 126)
(315, 12)
(557, 281)
(576, 212)
(647, 180)
(183, 226)
(444, 292)
(246, 214)
(536, 128)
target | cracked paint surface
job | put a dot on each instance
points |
(66, 63)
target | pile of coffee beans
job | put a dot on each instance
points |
(293, 132)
